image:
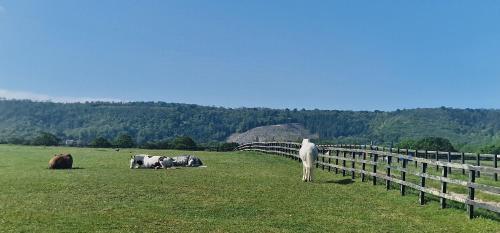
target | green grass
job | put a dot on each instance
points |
(237, 192)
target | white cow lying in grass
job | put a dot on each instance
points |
(308, 154)
(166, 162)
(149, 161)
(187, 161)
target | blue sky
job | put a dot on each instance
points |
(359, 55)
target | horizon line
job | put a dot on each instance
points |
(114, 101)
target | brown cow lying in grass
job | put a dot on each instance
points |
(61, 161)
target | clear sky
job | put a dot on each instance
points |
(359, 55)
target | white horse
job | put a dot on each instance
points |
(308, 154)
(149, 161)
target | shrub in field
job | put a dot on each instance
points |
(435, 143)
(490, 149)
(228, 146)
(184, 143)
(429, 143)
(407, 144)
(46, 139)
(164, 144)
(100, 142)
(18, 141)
(124, 141)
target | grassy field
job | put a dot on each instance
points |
(237, 192)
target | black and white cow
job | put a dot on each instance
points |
(149, 161)
(187, 161)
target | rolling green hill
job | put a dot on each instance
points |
(147, 121)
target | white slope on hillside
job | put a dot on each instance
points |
(283, 132)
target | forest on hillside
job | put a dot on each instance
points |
(154, 121)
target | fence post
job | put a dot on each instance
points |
(437, 159)
(297, 156)
(317, 164)
(399, 152)
(422, 184)
(389, 161)
(375, 156)
(329, 160)
(443, 187)
(337, 153)
(416, 156)
(323, 160)
(449, 161)
(363, 166)
(478, 164)
(353, 174)
(463, 162)
(470, 206)
(343, 163)
(402, 187)
(398, 159)
(287, 150)
(495, 165)
(277, 149)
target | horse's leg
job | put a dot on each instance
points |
(303, 172)
(310, 172)
(307, 174)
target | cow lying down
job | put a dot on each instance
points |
(186, 161)
(149, 161)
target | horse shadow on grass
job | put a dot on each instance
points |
(73, 168)
(342, 182)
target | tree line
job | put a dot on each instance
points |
(148, 122)
(187, 143)
(126, 141)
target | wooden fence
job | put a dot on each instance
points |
(377, 163)
(485, 160)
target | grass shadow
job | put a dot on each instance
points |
(342, 182)
(478, 212)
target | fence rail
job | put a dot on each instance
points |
(384, 162)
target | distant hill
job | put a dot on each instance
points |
(283, 132)
(146, 121)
